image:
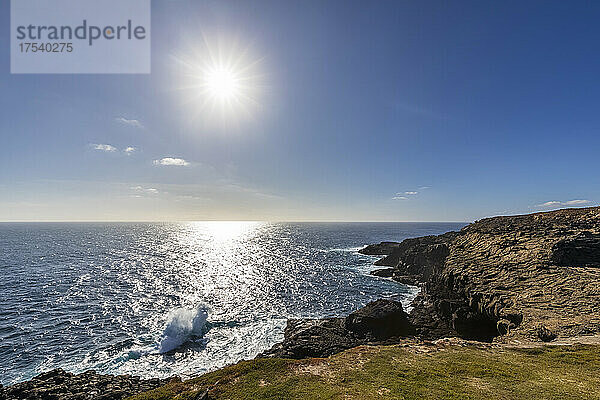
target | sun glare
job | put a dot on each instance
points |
(222, 84)
(220, 80)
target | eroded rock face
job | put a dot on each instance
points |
(502, 278)
(377, 322)
(417, 259)
(581, 250)
(60, 385)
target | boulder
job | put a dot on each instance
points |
(380, 320)
(377, 322)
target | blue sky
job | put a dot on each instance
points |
(371, 111)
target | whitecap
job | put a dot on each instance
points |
(182, 325)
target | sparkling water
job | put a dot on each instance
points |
(163, 299)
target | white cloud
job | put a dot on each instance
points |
(576, 202)
(403, 195)
(169, 161)
(129, 122)
(550, 204)
(141, 189)
(104, 147)
(129, 150)
(424, 187)
(564, 203)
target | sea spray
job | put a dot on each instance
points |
(182, 325)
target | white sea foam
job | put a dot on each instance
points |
(182, 325)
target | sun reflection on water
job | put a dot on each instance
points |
(224, 231)
(123, 286)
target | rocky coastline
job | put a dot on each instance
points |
(513, 279)
(510, 279)
(58, 384)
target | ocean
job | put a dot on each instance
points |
(163, 299)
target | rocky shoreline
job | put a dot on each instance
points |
(516, 279)
(61, 385)
(379, 322)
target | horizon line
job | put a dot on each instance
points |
(225, 220)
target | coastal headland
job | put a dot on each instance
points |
(509, 308)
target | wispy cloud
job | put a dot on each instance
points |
(170, 161)
(129, 150)
(104, 147)
(179, 193)
(405, 195)
(236, 187)
(141, 190)
(129, 122)
(554, 203)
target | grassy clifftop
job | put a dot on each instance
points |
(445, 370)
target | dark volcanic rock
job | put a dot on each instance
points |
(419, 256)
(545, 334)
(380, 320)
(313, 338)
(383, 272)
(397, 275)
(427, 322)
(377, 322)
(60, 385)
(583, 250)
(381, 249)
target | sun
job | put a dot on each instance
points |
(221, 80)
(222, 84)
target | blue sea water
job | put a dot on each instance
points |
(163, 299)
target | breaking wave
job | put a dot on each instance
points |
(182, 325)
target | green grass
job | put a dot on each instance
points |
(394, 372)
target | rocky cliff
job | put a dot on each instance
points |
(528, 277)
(506, 279)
